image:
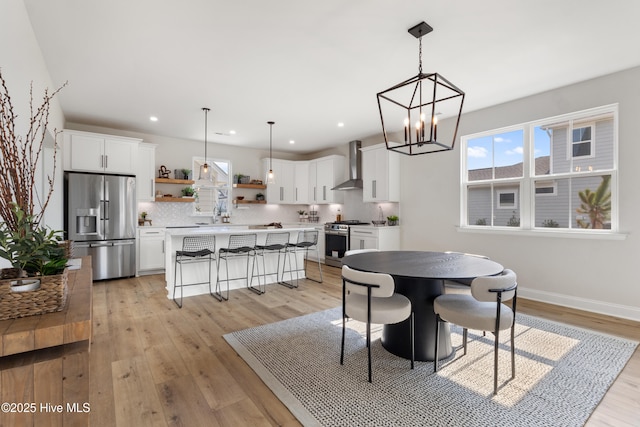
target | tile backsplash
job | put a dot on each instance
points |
(169, 213)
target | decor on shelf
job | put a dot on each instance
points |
(419, 100)
(205, 170)
(259, 196)
(188, 192)
(185, 173)
(270, 177)
(163, 172)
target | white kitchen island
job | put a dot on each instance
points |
(197, 272)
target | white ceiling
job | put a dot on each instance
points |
(309, 65)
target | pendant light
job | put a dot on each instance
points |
(270, 176)
(418, 100)
(205, 169)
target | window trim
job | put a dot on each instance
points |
(527, 187)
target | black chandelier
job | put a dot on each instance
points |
(409, 110)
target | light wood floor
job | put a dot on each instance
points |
(153, 364)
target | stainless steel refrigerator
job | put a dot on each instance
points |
(100, 219)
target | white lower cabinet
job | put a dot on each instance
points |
(370, 237)
(150, 254)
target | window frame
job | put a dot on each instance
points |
(529, 180)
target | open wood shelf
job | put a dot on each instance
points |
(254, 186)
(175, 199)
(174, 181)
(255, 202)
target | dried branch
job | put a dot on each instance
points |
(20, 155)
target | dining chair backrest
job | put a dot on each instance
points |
(481, 287)
(384, 285)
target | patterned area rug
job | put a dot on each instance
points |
(562, 373)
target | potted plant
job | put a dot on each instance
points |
(259, 196)
(185, 173)
(392, 219)
(301, 214)
(188, 192)
(33, 251)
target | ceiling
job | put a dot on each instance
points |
(310, 65)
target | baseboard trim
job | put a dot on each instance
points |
(600, 307)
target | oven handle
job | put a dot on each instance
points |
(336, 233)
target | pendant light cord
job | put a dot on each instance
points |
(270, 143)
(206, 111)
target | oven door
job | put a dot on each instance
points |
(335, 247)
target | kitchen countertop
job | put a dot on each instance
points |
(230, 229)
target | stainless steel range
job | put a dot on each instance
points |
(337, 240)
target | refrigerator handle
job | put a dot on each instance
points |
(106, 210)
(124, 243)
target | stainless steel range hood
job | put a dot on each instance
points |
(355, 168)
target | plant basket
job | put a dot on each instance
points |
(67, 245)
(51, 296)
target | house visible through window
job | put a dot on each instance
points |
(559, 172)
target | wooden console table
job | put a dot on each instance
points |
(45, 360)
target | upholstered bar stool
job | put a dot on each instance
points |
(194, 249)
(275, 243)
(240, 245)
(307, 240)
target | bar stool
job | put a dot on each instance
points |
(194, 249)
(275, 243)
(240, 245)
(307, 239)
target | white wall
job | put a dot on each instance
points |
(22, 63)
(597, 275)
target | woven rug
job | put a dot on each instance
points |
(562, 373)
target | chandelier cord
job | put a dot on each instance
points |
(420, 55)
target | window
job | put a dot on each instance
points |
(212, 197)
(581, 142)
(507, 199)
(559, 172)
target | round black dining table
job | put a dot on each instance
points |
(420, 276)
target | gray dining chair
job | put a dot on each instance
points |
(371, 298)
(483, 310)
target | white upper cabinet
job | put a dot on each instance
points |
(281, 191)
(380, 174)
(305, 182)
(324, 174)
(91, 152)
(301, 183)
(145, 173)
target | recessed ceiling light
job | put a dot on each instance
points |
(153, 118)
(340, 125)
(232, 132)
(291, 141)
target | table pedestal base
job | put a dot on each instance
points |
(395, 338)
